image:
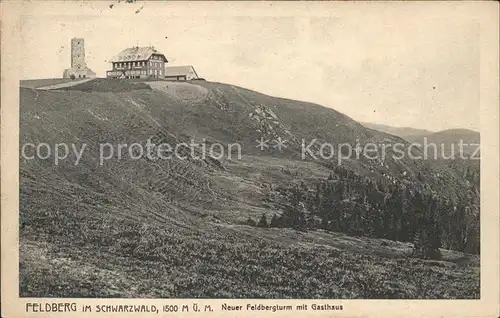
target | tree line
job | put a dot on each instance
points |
(356, 205)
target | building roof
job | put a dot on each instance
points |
(136, 54)
(179, 70)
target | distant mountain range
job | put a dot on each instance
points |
(403, 132)
(443, 139)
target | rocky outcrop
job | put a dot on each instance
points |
(268, 123)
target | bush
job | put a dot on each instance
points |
(426, 245)
(72, 76)
(275, 221)
(262, 221)
(250, 222)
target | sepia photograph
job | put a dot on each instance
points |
(166, 151)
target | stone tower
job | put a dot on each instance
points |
(78, 65)
(78, 53)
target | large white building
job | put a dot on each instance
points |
(138, 62)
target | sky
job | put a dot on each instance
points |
(403, 65)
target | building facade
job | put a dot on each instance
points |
(180, 73)
(138, 63)
(79, 68)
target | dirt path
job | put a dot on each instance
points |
(67, 84)
(187, 92)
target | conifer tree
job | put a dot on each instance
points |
(250, 222)
(263, 221)
(275, 221)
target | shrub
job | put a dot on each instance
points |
(262, 221)
(250, 222)
(275, 221)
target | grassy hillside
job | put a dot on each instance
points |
(113, 257)
(175, 223)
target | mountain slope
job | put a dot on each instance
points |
(217, 113)
(132, 206)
